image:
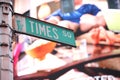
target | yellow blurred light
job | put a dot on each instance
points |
(44, 11)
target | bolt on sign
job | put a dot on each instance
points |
(44, 30)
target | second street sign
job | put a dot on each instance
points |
(42, 29)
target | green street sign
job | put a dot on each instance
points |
(44, 30)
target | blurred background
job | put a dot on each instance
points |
(35, 8)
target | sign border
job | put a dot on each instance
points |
(39, 36)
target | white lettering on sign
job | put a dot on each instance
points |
(48, 31)
(55, 32)
(37, 29)
(31, 25)
(67, 34)
(103, 77)
(43, 29)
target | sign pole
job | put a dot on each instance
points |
(6, 57)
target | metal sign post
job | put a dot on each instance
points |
(6, 66)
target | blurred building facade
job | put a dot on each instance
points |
(32, 6)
